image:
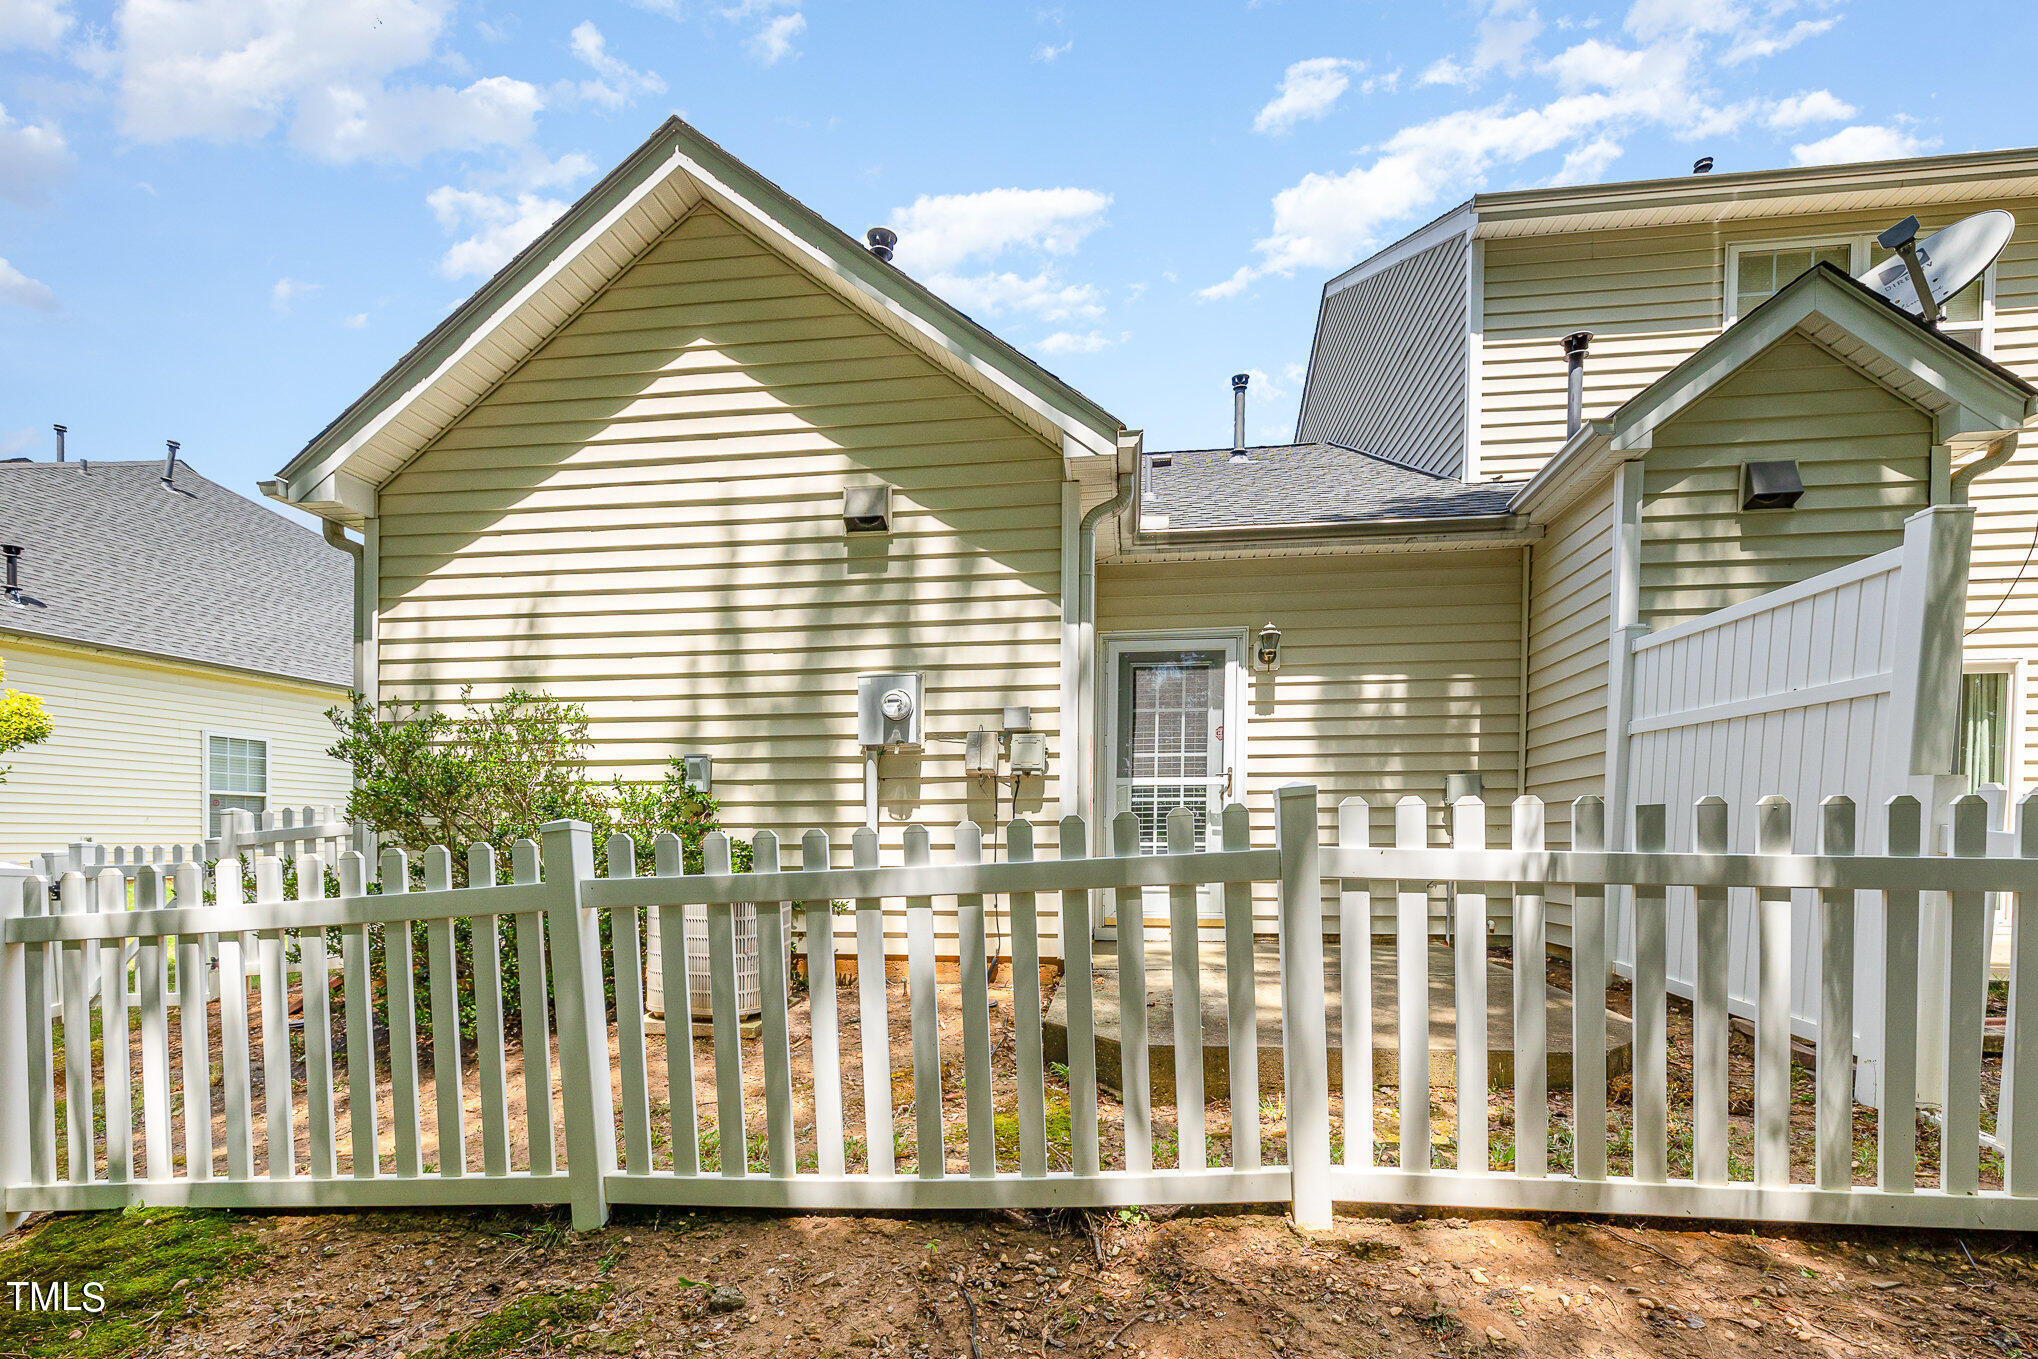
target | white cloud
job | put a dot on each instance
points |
(1309, 90)
(616, 83)
(497, 227)
(1813, 106)
(38, 25)
(939, 232)
(346, 124)
(1603, 90)
(1043, 295)
(358, 321)
(1864, 141)
(1050, 52)
(1588, 163)
(773, 42)
(20, 290)
(327, 69)
(1501, 40)
(33, 156)
(1075, 342)
(287, 291)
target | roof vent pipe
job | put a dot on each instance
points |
(1574, 396)
(60, 441)
(170, 464)
(1238, 383)
(1702, 166)
(12, 551)
(882, 240)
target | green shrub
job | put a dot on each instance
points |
(495, 773)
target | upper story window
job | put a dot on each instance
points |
(1759, 273)
(1756, 271)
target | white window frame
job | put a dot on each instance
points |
(2017, 668)
(1857, 247)
(1859, 255)
(1231, 641)
(205, 789)
(1236, 647)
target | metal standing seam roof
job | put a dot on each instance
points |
(1312, 483)
(112, 558)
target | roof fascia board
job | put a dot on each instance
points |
(625, 187)
(1993, 401)
(1582, 463)
(1459, 221)
(678, 149)
(1749, 186)
(735, 188)
(163, 660)
(1506, 526)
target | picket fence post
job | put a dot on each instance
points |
(1305, 1059)
(14, 1029)
(582, 1019)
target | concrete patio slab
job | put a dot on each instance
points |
(1443, 1065)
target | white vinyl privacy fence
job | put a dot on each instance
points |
(392, 1096)
(1845, 683)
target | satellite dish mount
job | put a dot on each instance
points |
(1903, 239)
(1920, 275)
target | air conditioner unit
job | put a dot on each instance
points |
(699, 983)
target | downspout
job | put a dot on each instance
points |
(1086, 646)
(364, 632)
(337, 536)
(1999, 452)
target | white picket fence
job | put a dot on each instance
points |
(278, 1131)
(286, 832)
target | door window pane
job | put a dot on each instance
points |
(1985, 728)
(1170, 739)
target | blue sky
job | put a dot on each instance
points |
(220, 220)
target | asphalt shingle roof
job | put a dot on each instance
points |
(111, 558)
(1313, 483)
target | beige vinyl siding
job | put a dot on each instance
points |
(1653, 296)
(124, 765)
(1570, 611)
(1864, 454)
(1389, 374)
(1395, 672)
(646, 519)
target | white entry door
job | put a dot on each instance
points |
(1172, 725)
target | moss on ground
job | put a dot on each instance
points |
(154, 1266)
(518, 1326)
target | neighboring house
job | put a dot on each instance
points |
(638, 469)
(1444, 351)
(186, 641)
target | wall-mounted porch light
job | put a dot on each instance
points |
(1267, 649)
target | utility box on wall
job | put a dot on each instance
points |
(889, 711)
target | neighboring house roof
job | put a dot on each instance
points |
(113, 558)
(517, 312)
(1287, 485)
(1973, 400)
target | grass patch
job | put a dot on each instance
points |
(519, 1326)
(152, 1264)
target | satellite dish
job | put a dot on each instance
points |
(1940, 265)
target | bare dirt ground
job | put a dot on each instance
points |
(1386, 1283)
